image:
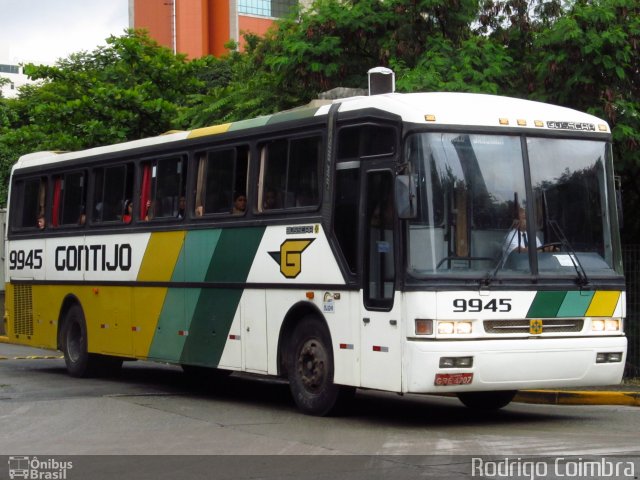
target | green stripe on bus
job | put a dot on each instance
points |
(546, 304)
(575, 304)
(180, 303)
(215, 309)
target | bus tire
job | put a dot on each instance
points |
(80, 363)
(310, 369)
(487, 400)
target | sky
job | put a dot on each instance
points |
(43, 31)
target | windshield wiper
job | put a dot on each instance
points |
(582, 274)
(491, 276)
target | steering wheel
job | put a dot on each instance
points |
(550, 247)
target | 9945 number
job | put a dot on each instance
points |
(21, 260)
(477, 305)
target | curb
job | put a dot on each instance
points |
(571, 397)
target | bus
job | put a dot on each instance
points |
(374, 242)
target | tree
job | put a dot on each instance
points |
(130, 89)
(590, 60)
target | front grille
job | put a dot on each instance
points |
(22, 310)
(554, 325)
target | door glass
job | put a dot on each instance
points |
(380, 264)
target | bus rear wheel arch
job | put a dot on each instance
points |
(310, 369)
(74, 345)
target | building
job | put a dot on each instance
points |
(202, 27)
(16, 78)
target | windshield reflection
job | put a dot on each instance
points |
(473, 207)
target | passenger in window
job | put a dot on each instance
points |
(40, 222)
(83, 216)
(127, 214)
(149, 211)
(182, 203)
(199, 211)
(270, 200)
(239, 204)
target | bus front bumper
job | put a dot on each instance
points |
(513, 364)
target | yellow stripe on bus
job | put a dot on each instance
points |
(161, 256)
(603, 304)
(214, 130)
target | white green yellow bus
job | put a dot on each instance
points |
(382, 245)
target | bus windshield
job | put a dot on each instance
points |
(474, 206)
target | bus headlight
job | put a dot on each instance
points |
(612, 325)
(458, 328)
(605, 325)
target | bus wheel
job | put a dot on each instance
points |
(487, 400)
(310, 369)
(74, 344)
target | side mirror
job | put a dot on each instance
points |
(406, 197)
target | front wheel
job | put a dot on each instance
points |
(310, 369)
(487, 400)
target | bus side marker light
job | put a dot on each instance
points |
(234, 337)
(346, 346)
(538, 123)
(522, 122)
(424, 326)
(503, 121)
(430, 118)
(96, 291)
(310, 295)
(135, 329)
(602, 127)
(183, 333)
(378, 348)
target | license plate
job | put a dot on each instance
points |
(453, 379)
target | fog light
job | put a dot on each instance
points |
(447, 362)
(424, 327)
(609, 357)
(615, 357)
(597, 325)
(456, 362)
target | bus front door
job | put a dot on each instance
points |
(380, 316)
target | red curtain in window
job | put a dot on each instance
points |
(145, 194)
(55, 211)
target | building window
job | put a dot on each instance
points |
(266, 8)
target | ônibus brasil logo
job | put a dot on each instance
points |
(38, 469)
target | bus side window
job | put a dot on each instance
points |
(163, 188)
(69, 199)
(113, 186)
(30, 195)
(222, 177)
(290, 173)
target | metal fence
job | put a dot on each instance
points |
(631, 260)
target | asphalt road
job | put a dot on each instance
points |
(153, 409)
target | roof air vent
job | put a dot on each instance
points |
(381, 80)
